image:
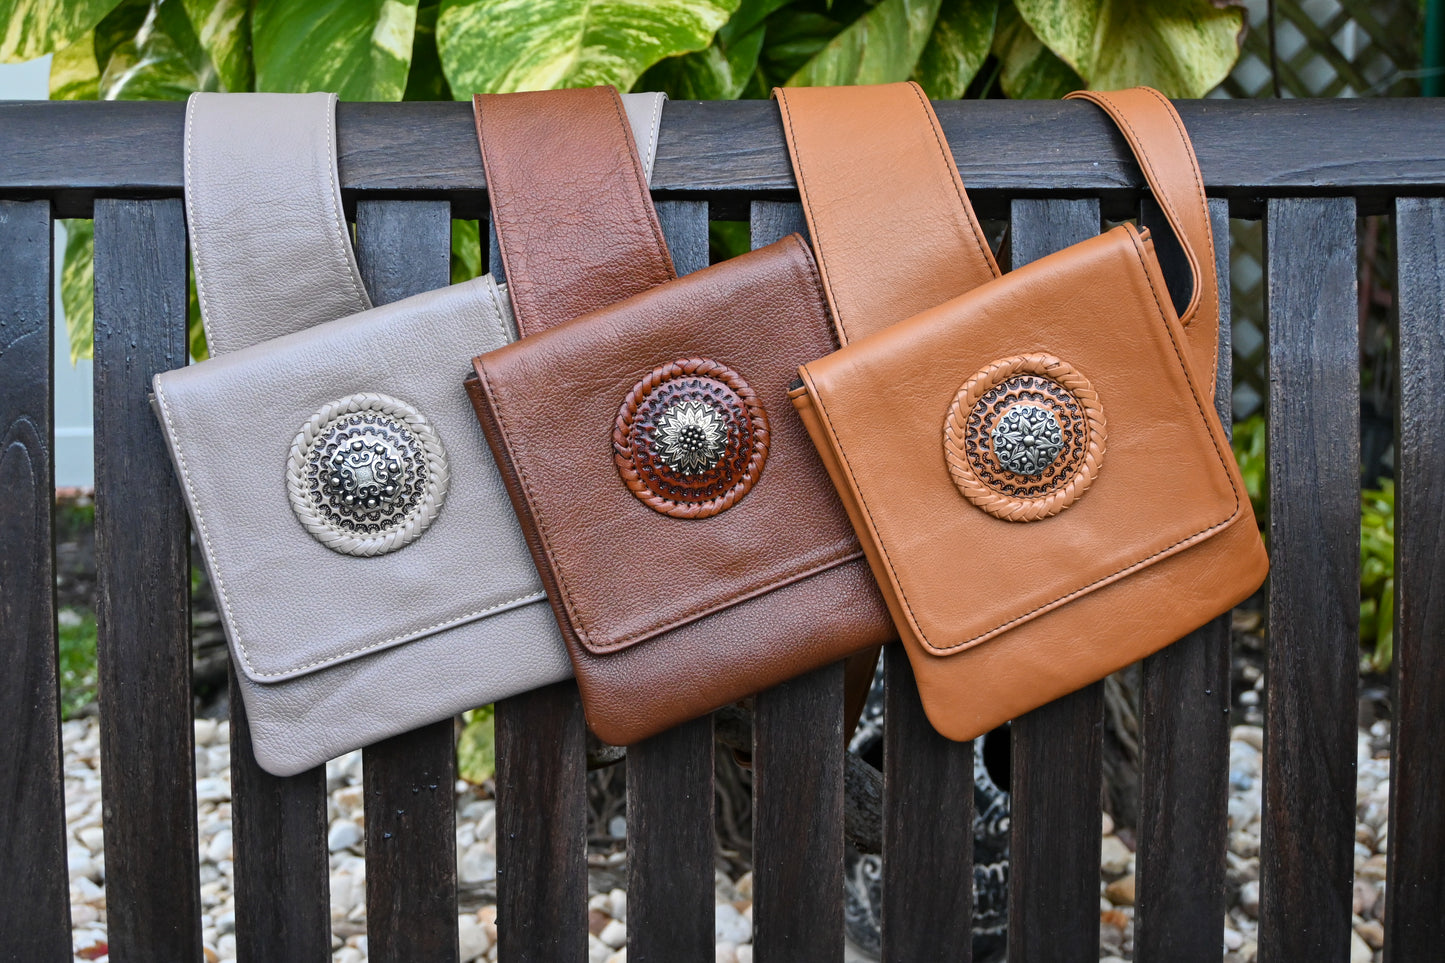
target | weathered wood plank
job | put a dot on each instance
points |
(1372, 149)
(142, 589)
(927, 911)
(1307, 845)
(1415, 888)
(35, 917)
(670, 840)
(404, 248)
(542, 827)
(283, 906)
(1057, 749)
(1184, 739)
(797, 777)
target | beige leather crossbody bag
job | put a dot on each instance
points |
(370, 574)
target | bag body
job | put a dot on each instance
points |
(1036, 469)
(693, 549)
(370, 575)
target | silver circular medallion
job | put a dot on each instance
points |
(1027, 439)
(367, 475)
(691, 437)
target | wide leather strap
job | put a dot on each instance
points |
(1161, 145)
(269, 241)
(573, 217)
(891, 224)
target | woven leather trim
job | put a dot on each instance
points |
(410, 527)
(642, 482)
(965, 459)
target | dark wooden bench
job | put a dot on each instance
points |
(1308, 169)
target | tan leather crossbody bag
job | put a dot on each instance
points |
(1035, 468)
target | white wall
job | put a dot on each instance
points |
(74, 432)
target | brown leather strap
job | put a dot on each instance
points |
(1157, 137)
(573, 216)
(890, 221)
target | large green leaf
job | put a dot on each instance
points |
(224, 30)
(477, 745)
(74, 73)
(1183, 47)
(1029, 70)
(495, 46)
(723, 70)
(958, 46)
(425, 80)
(35, 27)
(77, 285)
(359, 48)
(163, 61)
(879, 47)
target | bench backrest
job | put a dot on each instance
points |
(1308, 169)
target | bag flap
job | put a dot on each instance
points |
(249, 433)
(575, 412)
(1134, 468)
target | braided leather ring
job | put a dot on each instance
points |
(1042, 386)
(419, 471)
(691, 438)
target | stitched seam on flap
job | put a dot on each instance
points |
(225, 599)
(1140, 563)
(579, 624)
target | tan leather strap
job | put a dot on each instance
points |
(891, 224)
(1157, 137)
(570, 204)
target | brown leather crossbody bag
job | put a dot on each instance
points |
(1035, 468)
(692, 546)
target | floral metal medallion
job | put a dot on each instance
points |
(367, 475)
(1025, 437)
(691, 438)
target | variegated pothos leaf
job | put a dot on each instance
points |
(36, 27)
(496, 46)
(1028, 69)
(957, 48)
(361, 49)
(1185, 48)
(223, 28)
(879, 47)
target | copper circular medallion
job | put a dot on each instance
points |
(691, 438)
(1025, 437)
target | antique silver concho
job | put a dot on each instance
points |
(367, 475)
(691, 437)
(1027, 439)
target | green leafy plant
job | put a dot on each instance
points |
(693, 49)
(1250, 438)
(1377, 576)
(77, 661)
(477, 745)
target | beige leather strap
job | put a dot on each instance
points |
(269, 241)
(1161, 145)
(890, 221)
(570, 204)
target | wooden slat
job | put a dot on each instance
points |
(542, 827)
(1373, 149)
(1415, 890)
(404, 248)
(927, 911)
(1312, 665)
(1184, 739)
(283, 906)
(670, 840)
(1055, 829)
(797, 777)
(35, 917)
(142, 589)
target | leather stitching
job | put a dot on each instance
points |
(649, 157)
(1133, 566)
(813, 225)
(644, 192)
(344, 251)
(558, 563)
(224, 599)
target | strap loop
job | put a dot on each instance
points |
(890, 221)
(1157, 138)
(573, 216)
